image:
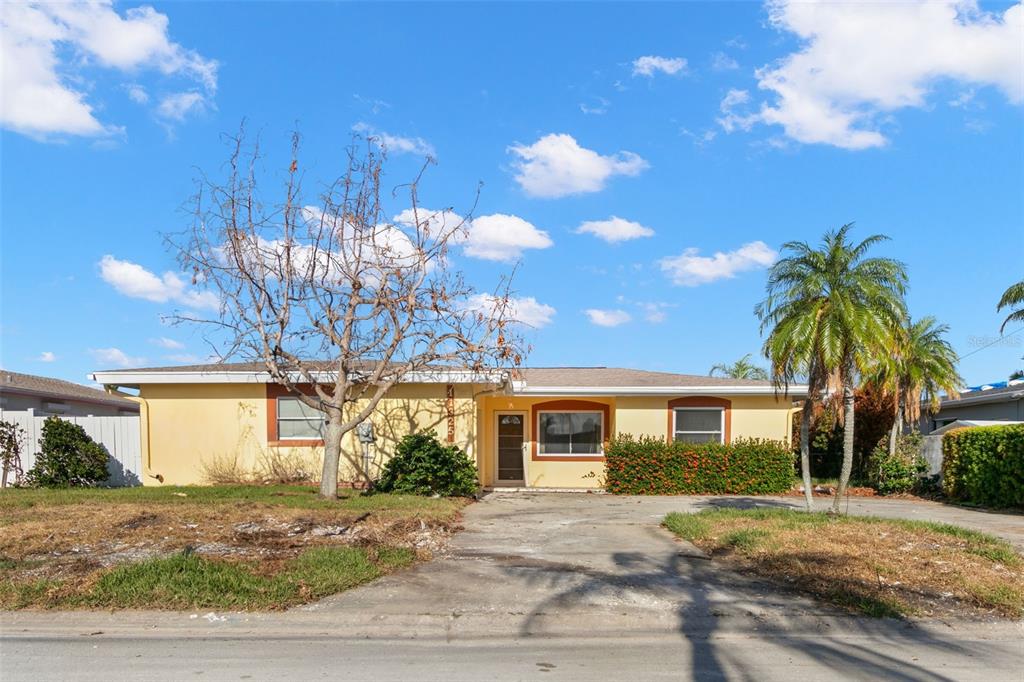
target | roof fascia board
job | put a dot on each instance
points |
(655, 390)
(129, 378)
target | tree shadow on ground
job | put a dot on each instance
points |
(712, 604)
(746, 503)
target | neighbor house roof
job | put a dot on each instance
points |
(1014, 391)
(47, 387)
(523, 381)
(969, 423)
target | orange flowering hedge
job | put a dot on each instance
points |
(651, 466)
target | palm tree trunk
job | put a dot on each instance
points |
(805, 451)
(897, 426)
(844, 474)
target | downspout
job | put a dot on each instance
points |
(789, 423)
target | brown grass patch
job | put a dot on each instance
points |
(63, 547)
(873, 566)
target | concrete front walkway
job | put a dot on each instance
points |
(552, 586)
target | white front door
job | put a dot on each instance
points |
(509, 448)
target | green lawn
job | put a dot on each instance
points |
(875, 566)
(293, 496)
(188, 581)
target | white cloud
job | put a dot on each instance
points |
(646, 66)
(600, 107)
(700, 139)
(861, 61)
(137, 93)
(46, 356)
(169, 344)
(498, 236)
(47, 45)
(527, 310)
(557, 166)
(720, 61)
(607, 318)
(435, 221)
(690, 269)
(135, 281)
(115, 357)
(730, 120)
(397, 144)
(654, 312)
(503, 237)
(615, 229)
(178, 106)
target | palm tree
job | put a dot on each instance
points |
(741, 369)
(832, 312)
(1014, 296)
(920, 364)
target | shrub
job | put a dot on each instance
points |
(68, 457)
(985, 465)
(421, 465)
(652, 466)
(901, 471)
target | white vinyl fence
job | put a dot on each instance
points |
(119, 434)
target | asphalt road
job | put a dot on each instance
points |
(306, 657)
(548, 587)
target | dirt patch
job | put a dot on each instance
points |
(878, 567)
(78, 541)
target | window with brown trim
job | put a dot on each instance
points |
(570, 433)
(699, 425)
(684, 422)
(298, 421)
(289, 420)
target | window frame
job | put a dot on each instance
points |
(278, 419)
(601, 433)
(721, 423)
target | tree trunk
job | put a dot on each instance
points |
(893, 432)
(332, 457)
(844, 474)
(897, 427)
(805, 451)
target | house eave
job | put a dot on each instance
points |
(543, 391)
(135, 379)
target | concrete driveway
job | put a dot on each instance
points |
(549, 586)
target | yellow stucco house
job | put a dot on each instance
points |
(541, 427)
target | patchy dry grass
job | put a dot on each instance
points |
(238, 546)
(878, 567)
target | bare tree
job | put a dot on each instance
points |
(335, 300)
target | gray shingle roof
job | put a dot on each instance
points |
(619, 376)
(30, 384)
(534, 376)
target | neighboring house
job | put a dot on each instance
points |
(537, 427)
(54, 397)
(1002, 402)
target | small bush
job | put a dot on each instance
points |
(899, 472)
(421, 465)
(68, 458)
(985, 465)
(652, 466)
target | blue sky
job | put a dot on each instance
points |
(642, 162)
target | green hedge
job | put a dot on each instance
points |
(985, 465)
(651, 466)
